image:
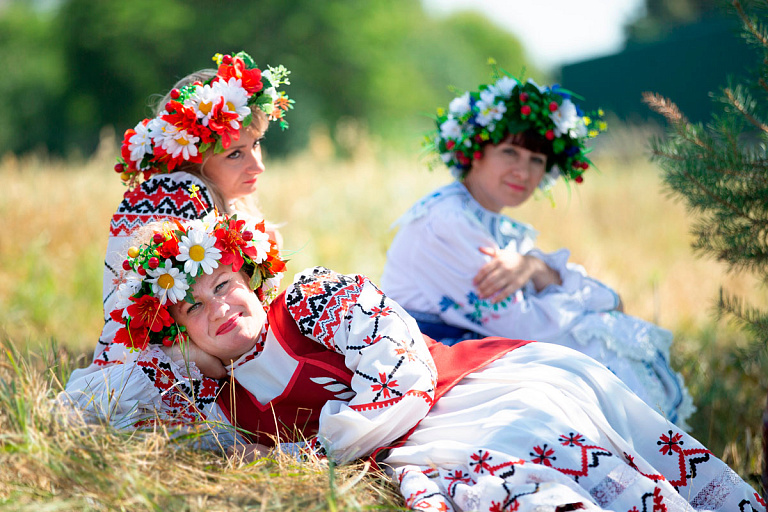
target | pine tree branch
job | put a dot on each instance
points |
(718, 170)
(706, 191)
(748, 23)
(742, 110)
(763, 84)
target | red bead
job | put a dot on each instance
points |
(525, 110)
(450, 145)
(169, 107)
(550, 135)
(141, 271)
(553, 106)
(227, 59)
(153, 262)
(584, 165)
(158, 238)
(578, 179)
(119, 168)
(175, 93)
(477, 155)
(523, 97)
(247, 236)
(126, 265)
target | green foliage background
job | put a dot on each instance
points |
(74, 66)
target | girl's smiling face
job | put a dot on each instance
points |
(505, 176)
(227, 316)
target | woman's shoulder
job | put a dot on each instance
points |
(322, 295)
(445, 201)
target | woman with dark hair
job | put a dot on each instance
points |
(463, 269)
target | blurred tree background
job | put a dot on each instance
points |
(74, 66)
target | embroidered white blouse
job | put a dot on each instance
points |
(434, 257)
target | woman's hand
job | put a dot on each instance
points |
(211, 366)
(248, 452)
(509, 271)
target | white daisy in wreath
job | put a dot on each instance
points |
(168, 283)
(235, 97)
(196, 250)
(130, 285)
(489, 109)
(565, 117)
(140, 143)
(460, 105)
(202, 101)
(260, 242)
(181, 143)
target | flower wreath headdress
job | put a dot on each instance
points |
(509, 106)
(203, 115)
(162, 272)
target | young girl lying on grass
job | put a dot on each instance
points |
(334, 367)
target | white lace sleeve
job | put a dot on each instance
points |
(144, 388)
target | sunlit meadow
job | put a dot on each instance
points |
(619, 224)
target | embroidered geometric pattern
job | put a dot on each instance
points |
(311, 294)
(481, 464)
(589, 455)
(158, 198)
(183, 403)
(322, 301)
(671, 444)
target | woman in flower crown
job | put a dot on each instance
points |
(463, 269)
(205, 138)
(334, 368)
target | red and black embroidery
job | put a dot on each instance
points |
(319, 301)
(480, 462)
(589, 456)
(158, 198)
(672, 445)
(511, 503)
(183, 400)
(654, 500)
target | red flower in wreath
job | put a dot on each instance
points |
(251, 78)
(137, 338)
(231, 244)
(273, 257)
(125, 150)
(221, 122)
(169, 248)
(146, 311)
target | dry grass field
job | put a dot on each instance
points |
(618, 224)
